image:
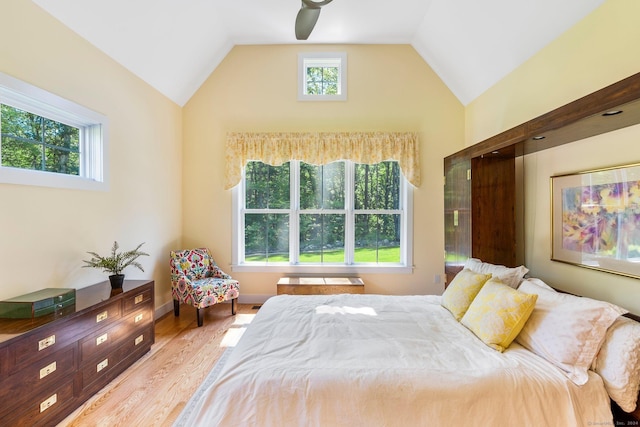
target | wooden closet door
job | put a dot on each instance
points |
(457, 214)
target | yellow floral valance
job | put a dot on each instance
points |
(320, 148)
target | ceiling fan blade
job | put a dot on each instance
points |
(305, 21)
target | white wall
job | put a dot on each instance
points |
(45, 232)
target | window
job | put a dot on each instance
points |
(339, 217)
(48, 141)
(322, 76)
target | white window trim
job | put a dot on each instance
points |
(349, 269)
(94, 164)
(327, 59)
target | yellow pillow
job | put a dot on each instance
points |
(498, 313)
(462, 290)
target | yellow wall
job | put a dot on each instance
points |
(598, 51)
(166, 163)
(45, 232)
(390, 88)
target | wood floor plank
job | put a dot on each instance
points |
(154, 390)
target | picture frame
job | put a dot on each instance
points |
(595, 219)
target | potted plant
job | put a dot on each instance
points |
(116, 263)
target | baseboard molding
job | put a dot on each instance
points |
(164, 309)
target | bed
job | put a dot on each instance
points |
(351, 360)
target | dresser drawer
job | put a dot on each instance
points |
(44, 405)
(101, 341)
(143, 297)
(32, 379)
(101, 317)
(110, 364)
(138, 318)
(46, 341)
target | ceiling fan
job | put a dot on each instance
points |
(307, 17)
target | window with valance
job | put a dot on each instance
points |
(322, 202)
(321, 148)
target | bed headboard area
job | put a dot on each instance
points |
(489, 230)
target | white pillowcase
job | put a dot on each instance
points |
(618, 362)
(539, 283)
(567, 330)
(509, 276)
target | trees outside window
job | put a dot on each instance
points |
(30, 141)
(341, 213)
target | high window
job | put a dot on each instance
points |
(322, 76)
(48, 141)
(338, 217)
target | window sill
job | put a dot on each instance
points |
(48, 179)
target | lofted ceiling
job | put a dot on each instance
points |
(174, 45)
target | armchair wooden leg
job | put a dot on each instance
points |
(176, 308)
(200, 314)
(233, 306)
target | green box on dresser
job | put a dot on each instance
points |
(39, 303)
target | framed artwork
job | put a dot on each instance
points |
(595, 219)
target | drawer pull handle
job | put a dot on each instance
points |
(46, 342)
(48, 403)
(138, 299)
(102, 339)
(48, 369)
(102, 316)
(139, 339)
(138, 318)
(100, 366)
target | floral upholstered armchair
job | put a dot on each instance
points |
(197, 280)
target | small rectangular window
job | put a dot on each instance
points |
(322, 76)
(48, 141)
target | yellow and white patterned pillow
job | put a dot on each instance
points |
(498, 313)
(462, 290)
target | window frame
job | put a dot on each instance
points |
(405, 266)
(305, 60)
(93, 137)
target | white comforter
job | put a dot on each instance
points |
(372, 360)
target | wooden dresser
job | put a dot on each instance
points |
(50, 365)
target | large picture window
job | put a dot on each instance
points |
(338, 217)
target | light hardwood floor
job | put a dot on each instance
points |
(156, 388)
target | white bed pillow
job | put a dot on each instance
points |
(509, 276)
(618, 362)
(538, 282)
(567, 330)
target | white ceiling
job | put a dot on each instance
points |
(174, 45)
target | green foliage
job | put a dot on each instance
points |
(390, 254)
(30, 141)
(322, 80)
(117, 261)
(321, 188)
